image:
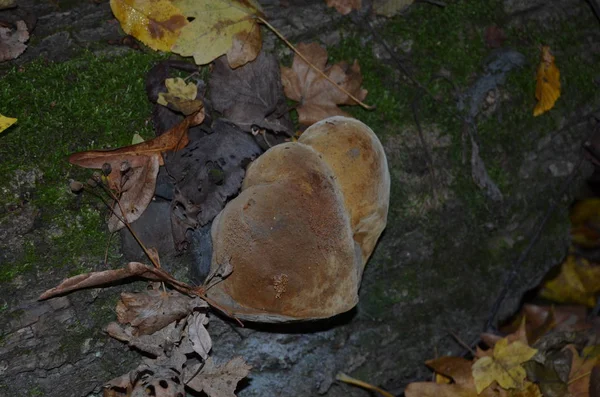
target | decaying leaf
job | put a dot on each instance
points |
(156, 23)
(198, 335)
(389, 8)
(344, 7)
(318, 97)
(153, 309)
(12, 41)
(547, 89)
(504, 366)
(585, 223)
(220, 27)
(181, 96)
(251, 96)
(134, 169)
(578, 282)
(6, 122)
(581, 369)
(455, 368)
(218, 381)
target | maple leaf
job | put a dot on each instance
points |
(547, 89)
(389, 8)
(220, 27)
(581, 369)
(156, 23)
(317, 96)
(181, 96)
(134, 169)
(504, 366)
(12, 41)
(344, 7)
(578, 282)
(218, 381)
(458, 370)
(6, 122)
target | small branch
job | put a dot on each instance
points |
(430, 166)
(274, 30)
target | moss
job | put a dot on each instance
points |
(85, 103)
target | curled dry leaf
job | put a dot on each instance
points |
(218, 381)
(198, 335)
(154, 309)
(344, 7)
(12, 41)
(318, 97)
(180, 96)
(134, 169)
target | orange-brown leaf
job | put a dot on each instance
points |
(547, 89)
(318, 97)
(344, 7)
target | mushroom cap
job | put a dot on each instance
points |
(357, 159)
(288, 238)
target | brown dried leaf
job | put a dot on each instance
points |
(12, 42)
(318, 97)
(198, 335)
(344, 7)
(152, 310)
(135, 167)
(219, 381)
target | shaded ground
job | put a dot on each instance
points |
(439, 265)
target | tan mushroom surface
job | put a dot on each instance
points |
(299, 233)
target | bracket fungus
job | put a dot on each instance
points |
(304, 225)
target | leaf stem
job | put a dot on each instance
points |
(286, 41)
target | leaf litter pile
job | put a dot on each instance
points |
(206, 135)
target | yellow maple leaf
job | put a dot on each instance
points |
(503, 366)
(156, 23)
(220, 27)
(181, 96)
(547, 89)
(577, 282)
(6, 122)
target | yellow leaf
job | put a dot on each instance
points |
(585, 223)
(6, 122)
(547, 89)
(220, 27)
(352, 381)
(137, 138)
(156, 23)
(504, 366)
(577, 282)
(181, 96)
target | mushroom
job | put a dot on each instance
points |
(301, 230)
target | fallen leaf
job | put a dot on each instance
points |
(551, 373)
(6, 122)
(344, 7)
(519, 334)
(581, 369)
(198, 335)
(97, 279)
(220, 27)
(251, 96)
(156, 23)
(389, 8)
(137, 138)
(218, 381)
(504, 366)
(134, 169)
(578, 282)
(5, 4)
(547, 89)
(180, 96)
(458, 370)
(318, 97)
(12, 41)
(154, 309)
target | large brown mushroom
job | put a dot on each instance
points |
(300, 232)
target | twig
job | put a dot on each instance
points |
(274, 30)
(107, 248)
(461, 342)
(595, 7)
